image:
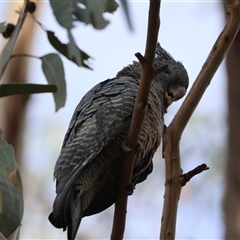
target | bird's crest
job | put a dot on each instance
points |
(134, 69)
(162, 53)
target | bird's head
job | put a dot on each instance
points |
(174, 79)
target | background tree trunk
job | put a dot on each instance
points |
(232, 194)
(13, 108)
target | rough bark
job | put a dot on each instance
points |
(232, 195)
(172, 133)
(148, 73)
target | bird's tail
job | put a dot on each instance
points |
(76, 217)
(69, 218)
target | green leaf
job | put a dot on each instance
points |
(54, 72)
(73, 49)
(111, 6)
(93, 12)
(11, 195)
(2, 27)
(25, 88)
(81, 15)
(7, 156)
(63, 49)
(102, 6)
(62, 10)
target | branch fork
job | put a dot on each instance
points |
(172, 134)
(140, 106)
(154, 71)
(186, 177)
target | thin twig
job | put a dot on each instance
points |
(209, 68)
(147, 75)
(172, 134)
(33, 18)
(8, 49)
(24, 55)
(186, 177)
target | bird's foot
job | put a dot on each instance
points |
(125, 148)
(130, 189)
(167, 100)
(138, 149)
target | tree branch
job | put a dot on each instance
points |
(186, 177)
(209, 68)
(148, 73)
(172, 134)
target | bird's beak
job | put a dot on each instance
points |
(167, 100)
(176, 92)
(173, 94)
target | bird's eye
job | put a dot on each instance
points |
(170, 94)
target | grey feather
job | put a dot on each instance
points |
(88, 167)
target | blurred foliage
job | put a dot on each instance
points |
(11, 195)
(2, 27)
(63, 49)
(66, 13)
(25, 88)
(8, 49)
(89, 12)
(52, 67)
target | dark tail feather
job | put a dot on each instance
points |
(61, 214)
(62, 220)
(76, 217)
(68, 216)
(56, 222)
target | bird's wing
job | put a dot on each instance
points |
(100, 116)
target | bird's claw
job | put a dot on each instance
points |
(167, 100)
(130, 189)
(125, 148)
(138, 149)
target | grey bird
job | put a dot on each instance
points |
(88, 168)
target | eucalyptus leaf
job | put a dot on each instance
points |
(7, 158)
(54, 72)
(25, 88)
(73, 52)
(81, 15)
(11, 195)
(2, 27)
(92, 13)
(63, 49)
(111, 6)
(63, 12)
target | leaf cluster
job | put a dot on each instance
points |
(11, 195)
(67, 13)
